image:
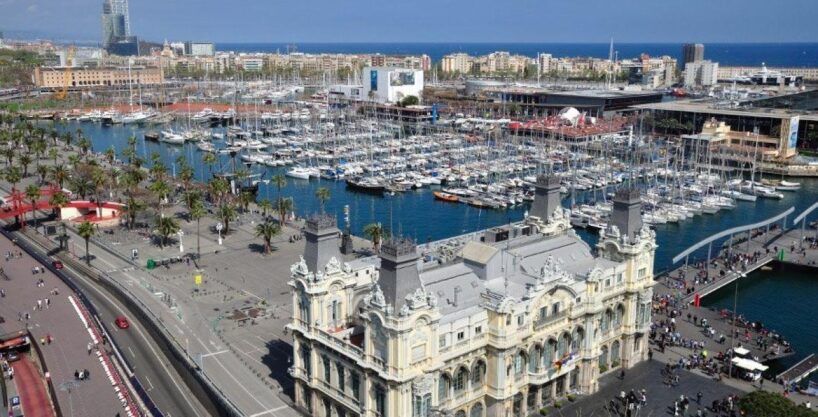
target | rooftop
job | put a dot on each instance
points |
(747, 109)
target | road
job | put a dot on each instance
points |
(150, 365)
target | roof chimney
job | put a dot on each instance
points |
(398, 276)
(546, 196)
(322, 241)
(627, 212)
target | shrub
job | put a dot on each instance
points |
(571, 397)
(544, 411)
(603, 369)
(557, 404)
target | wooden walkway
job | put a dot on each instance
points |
(800, 370)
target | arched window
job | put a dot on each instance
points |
(477, 373)
(477, 410)
(460, 379)
(519, 363)
(605, 324)
(615, 353)
(548, 353)
(563, 344)
(577, 338)
(460, 413)
(534, 353)
(603, 357)
(619, 316)
(443, 385)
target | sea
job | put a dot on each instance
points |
(726, 54)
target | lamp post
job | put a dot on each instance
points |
(733, 326)
(219, 227)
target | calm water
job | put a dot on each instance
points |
(419, 215)
(784, 300)
(733, 54)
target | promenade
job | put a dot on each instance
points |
(57, 319)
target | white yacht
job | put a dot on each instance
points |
(299, 172)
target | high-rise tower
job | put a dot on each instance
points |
(116, 28)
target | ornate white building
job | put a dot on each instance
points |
(510, 319)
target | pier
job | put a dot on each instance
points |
(800, 370)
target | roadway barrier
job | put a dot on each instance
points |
(51, 391)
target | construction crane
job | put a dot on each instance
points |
(69, 63)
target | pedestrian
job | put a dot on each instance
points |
(86, 374)
(650, 354)
(90, 346)
(699, 398)
(76, 374)
(622, 374)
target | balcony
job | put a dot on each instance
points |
(542, 322)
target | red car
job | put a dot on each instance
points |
(122, 322)
(57, 265)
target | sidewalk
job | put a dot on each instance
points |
(55, 318)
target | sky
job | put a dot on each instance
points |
(538, 21)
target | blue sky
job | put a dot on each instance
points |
(427, 20)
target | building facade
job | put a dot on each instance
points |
(391, 84)
(53, 78)
(701, 74)
(692, 52)
(514, 317)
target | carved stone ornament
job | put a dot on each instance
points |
(332, 267)
(613, 231)
(347, 268)
(417, 299)
(376, 298)
(300, 268)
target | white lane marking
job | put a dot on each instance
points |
(144, 337)
(214, 353)
(239, 384)
(132, 354)
(150, 386)
(270, 411)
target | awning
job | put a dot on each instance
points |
(749, 364)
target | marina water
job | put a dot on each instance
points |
(782, 300)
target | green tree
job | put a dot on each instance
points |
(209, 159)
(133, 207)
(13, 176)
(110, 154)
(196, 212)
(33, 195)
(376, 233)
(284, 205)
(25, 161)
(245, 198)
(58, 201)
(166, 226)
(86, 230)
(323, 195)
(53, 154)
(266, 206)
(409, 101)
(267, 231)
(160, 190)
(227, 213)
(769, 404)
(42, 172)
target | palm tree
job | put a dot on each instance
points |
(376, 233)
(9, 153)
(53, 154)
(160, 189)
(322, 194)
(245, 198)
(33, 194)
(266, 206)
(284, 205)
(227, 213)
(42, 172)
(280, 182)
(267, 231)
(25, 161)
(166, 226)
(58, 200)
(219, 187)
(209, 159)
(85, 145)
(192, 198)
(196, 212)
(81, 186)
(13, 176)
(133, 207)
(86, 231)
(110, 154)
(59, 174)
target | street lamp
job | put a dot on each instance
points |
(219, 227)
(733, 327)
